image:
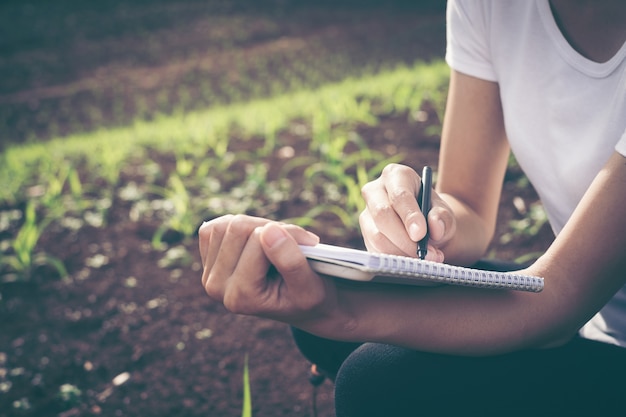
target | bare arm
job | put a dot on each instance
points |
(584, 267)
(472, 162)
(473, 159)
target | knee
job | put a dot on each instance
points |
(327, 354)
(377, 380)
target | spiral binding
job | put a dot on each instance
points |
(450, 274)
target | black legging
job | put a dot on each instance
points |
(581, 378)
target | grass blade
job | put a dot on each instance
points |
(246, 410)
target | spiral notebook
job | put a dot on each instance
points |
(358, 265)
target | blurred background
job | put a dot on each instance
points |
(125, 124)
(70, 66)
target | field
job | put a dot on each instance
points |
(124, 125)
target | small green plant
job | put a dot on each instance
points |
(529, 226)
(175, 257)
(69, 395)
(182, 218)
(246, 409)
(342, 164)
(22, 261)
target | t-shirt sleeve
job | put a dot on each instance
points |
(621, 145)
(467, 37)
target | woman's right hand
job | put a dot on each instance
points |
(392, 221)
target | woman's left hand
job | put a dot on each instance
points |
(237, 253)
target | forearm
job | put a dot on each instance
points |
(582, 269)
(453, 320)
(472, 163)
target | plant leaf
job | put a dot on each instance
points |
(246, 410)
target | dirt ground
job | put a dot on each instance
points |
(140, 340)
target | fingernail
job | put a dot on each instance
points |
(273, 235)
(314, 239)
(414, 232)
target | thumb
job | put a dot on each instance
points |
(281, 248)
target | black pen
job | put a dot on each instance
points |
(424, 202)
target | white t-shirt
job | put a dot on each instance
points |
(564, 114)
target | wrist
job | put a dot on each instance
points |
(337, 319)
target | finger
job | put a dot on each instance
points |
(210, 236)
(441, 222)
(228, 252)
(281, 248)
(204, 236)
(381, 223)
(222, 241)
(376, 241)
(434, 254)
(302, 236)
(238, 235)
(248, 290)
(402, 185)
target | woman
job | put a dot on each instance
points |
(547, 80)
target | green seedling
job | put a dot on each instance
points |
(21, 263)
(246, 409)
(527, 227)
(69, 395)
(181, 217)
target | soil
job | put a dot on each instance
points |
(140, 340)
